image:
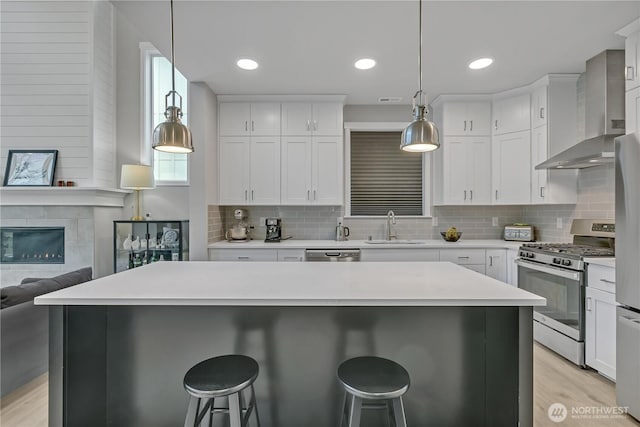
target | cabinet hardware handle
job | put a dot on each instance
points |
(611, 282)
(315, 125)
(630, 73)
(246, 126)
(496, 194)
(252, 126)
(465, 126)
(315, 195)
(471, 127)
(496, 125)
(463, 257)
(308, 195)
(490, 261)
(588, 303)
(308, 124)
(244, 257)
(251, 194)
(542, 112)
(245, 194)
(292, 257)
(542, 192)
(471, 194)
(465, 194)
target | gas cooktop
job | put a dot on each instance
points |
(570, 249)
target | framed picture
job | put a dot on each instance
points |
(31, 168)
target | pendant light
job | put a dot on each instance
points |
(172, 136)
(421, 135)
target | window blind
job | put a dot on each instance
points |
(383, 177)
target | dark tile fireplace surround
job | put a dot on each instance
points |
(32, 245)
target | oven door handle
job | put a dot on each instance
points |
(567, 274)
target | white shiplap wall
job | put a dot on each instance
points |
(56, 69)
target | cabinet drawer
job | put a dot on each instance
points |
(290, 255)
(603, 278)
(463, 256)
(478, 268)
(399, 254)
(243, 254)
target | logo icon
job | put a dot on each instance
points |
(557, 412)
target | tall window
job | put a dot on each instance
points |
(168, 168)
(383, 177)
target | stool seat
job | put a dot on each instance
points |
(221, 376)
(371, 377)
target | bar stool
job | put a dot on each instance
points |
(380, 381)
(222, 376)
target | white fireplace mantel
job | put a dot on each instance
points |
(62, 196)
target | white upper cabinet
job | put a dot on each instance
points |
(539, 107)
(243, 118)
(249, 170)
(512, 114)
(632, 111)
(312, 170)
(319, 119)
(466, 118)
(511, 168)
(466, 171)
(632, 61)
(553, 103)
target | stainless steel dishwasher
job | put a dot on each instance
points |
(332, 255)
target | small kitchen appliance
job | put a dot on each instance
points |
(342, 233)
(239, 232)
(556, 271)
(519, 233)
(274, 230)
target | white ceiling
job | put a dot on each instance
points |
(309, 47)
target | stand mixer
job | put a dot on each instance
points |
(239, 232)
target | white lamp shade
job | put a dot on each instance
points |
(137, 177)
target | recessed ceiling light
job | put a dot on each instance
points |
(247, 64)
(480, 63)
(365, 64)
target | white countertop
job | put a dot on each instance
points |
(331, 244)
(295, 284)
(605, 261)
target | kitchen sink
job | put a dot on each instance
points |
(395, 242)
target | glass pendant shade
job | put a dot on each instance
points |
(421, 135)
(172, 136)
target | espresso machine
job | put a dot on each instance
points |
(274, 230)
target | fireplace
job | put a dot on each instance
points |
(32, 245)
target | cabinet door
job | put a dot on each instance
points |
(327, 119)
(455, 119)
(326, 170)
(479, 118)
(455, 189)
(539, 107)
(234, 118)
(511, 168)
(290, 255)
(479, 170)
(234, 170)
(296, 118)
(265, 171)
(632, 111)
(512, 114)
(463, 256)
(632, 61)
(296, 170)
(600, 334)
(243, 254)
(512, 267)
(265, 119)
(399, 254)
(538, 155)
(496, 264)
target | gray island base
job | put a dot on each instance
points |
(122, 364)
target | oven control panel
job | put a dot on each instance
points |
(528, 255)
(561, 261)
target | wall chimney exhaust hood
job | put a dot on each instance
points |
(604, 115)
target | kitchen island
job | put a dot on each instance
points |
(120, 345)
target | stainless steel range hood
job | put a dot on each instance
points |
(604, 115)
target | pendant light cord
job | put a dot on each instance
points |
(419, 52)
(173, 62)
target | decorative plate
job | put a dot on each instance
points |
(170, 236)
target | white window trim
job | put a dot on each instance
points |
(147, 50)
(382, 127)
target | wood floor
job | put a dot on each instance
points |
(555, 381)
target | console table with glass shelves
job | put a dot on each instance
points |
(136, 243)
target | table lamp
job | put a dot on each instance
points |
(137, 177)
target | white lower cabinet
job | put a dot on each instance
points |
(496, 265)
(291, 255)
(243, 254)
(600, 334)
(399, 254)
(512, 267)
(473, 259)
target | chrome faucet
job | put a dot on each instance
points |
(391, 219)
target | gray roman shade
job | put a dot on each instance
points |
(383, 177)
